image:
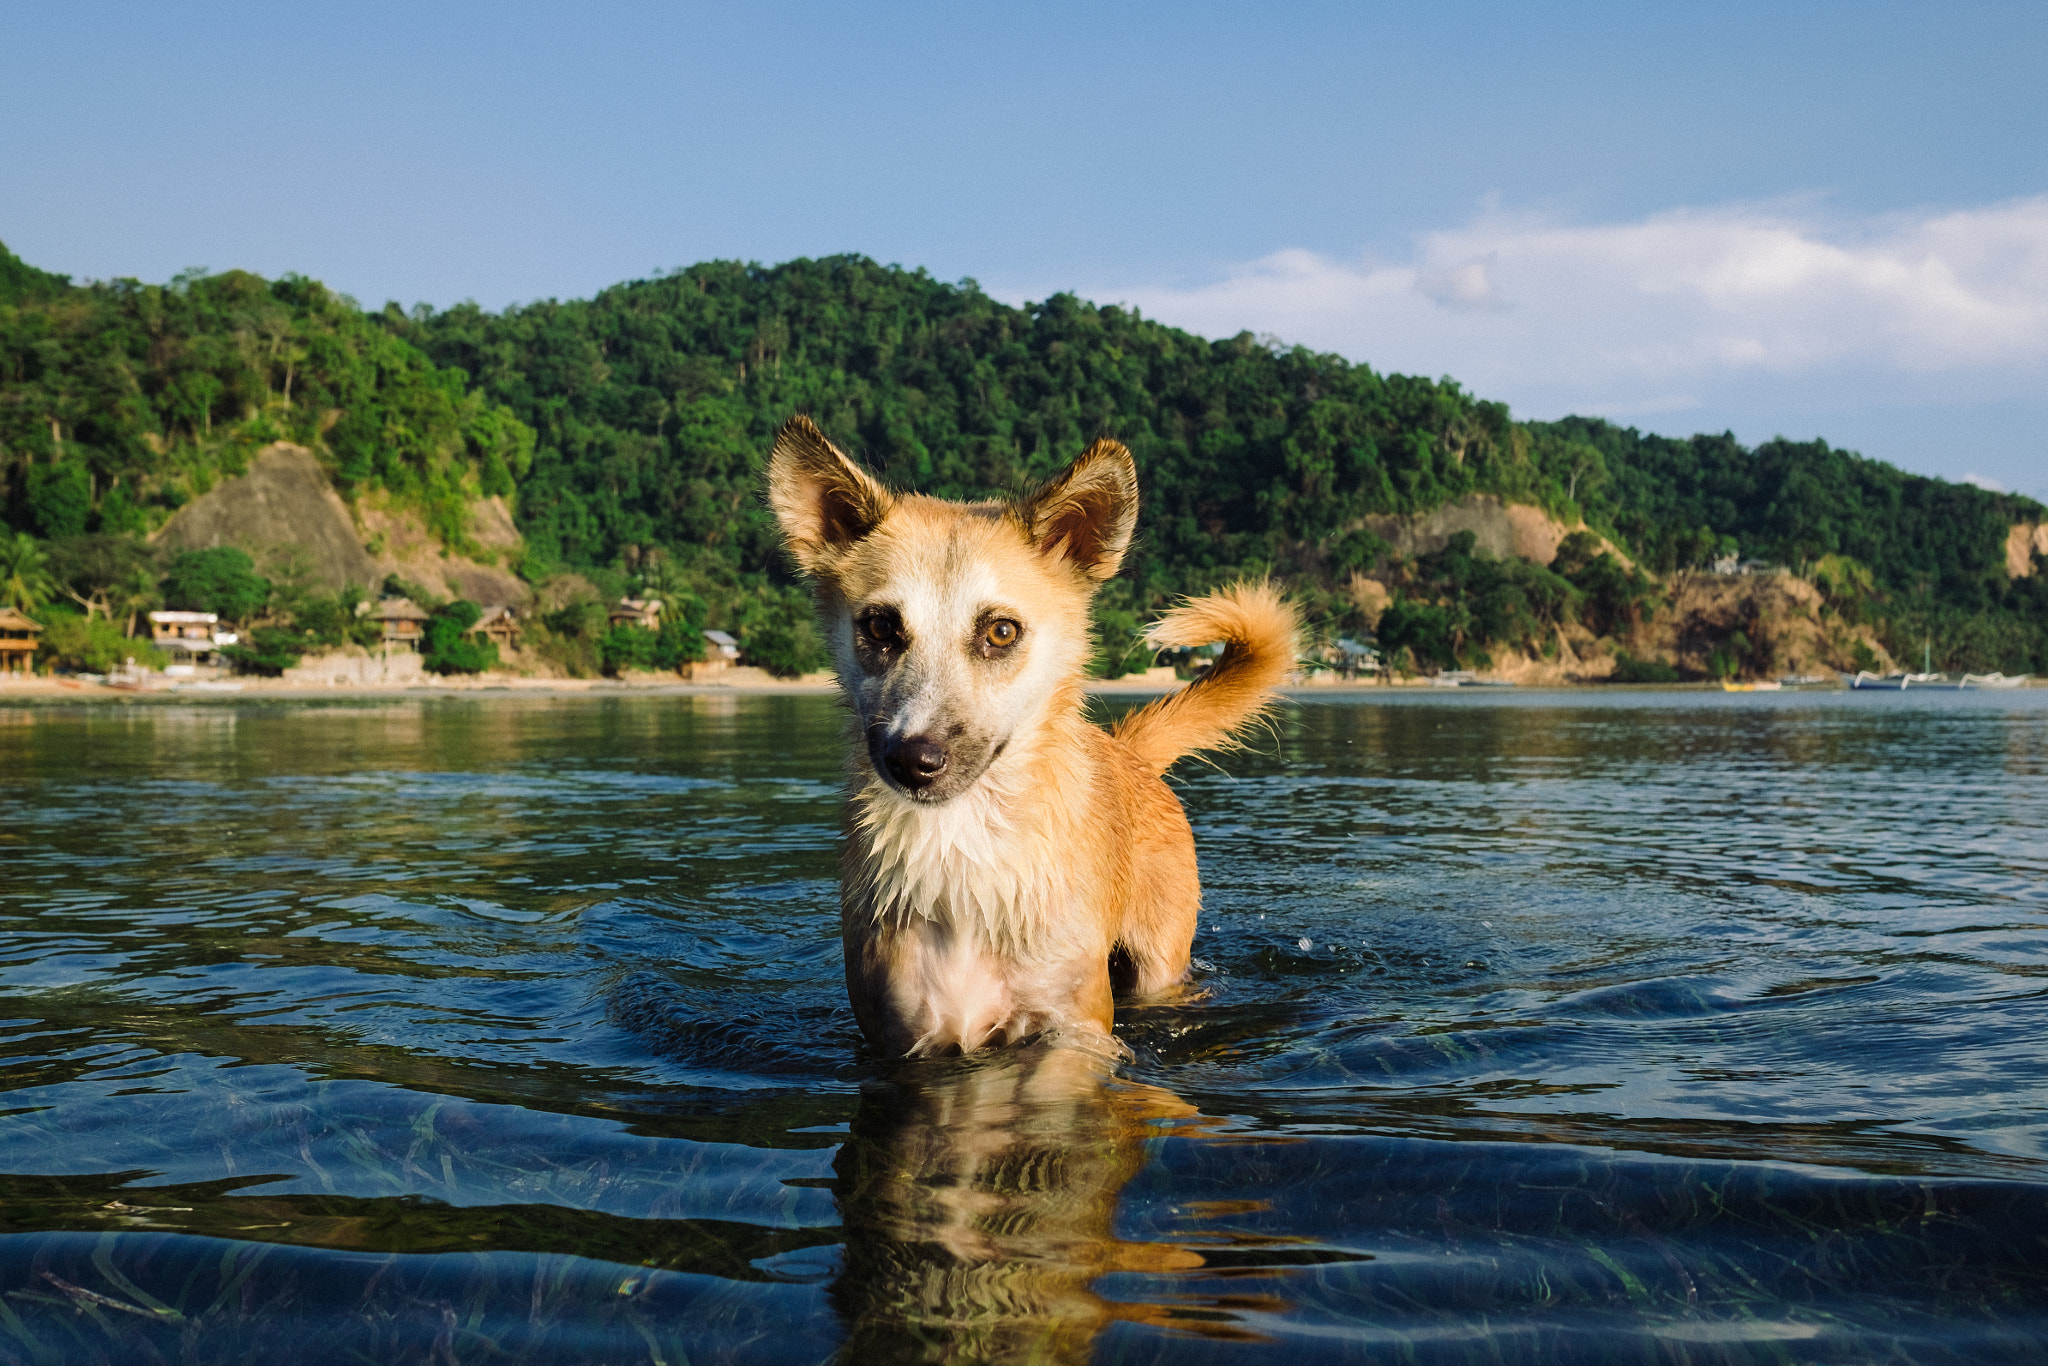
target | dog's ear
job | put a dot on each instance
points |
(823, 500)
(1085, 515)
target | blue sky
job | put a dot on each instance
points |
(1807, 219)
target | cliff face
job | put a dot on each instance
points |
(1779, 616)
(1762, 625)
(283, 502)
(2022, 544)
(1499, 528)
(284, 505)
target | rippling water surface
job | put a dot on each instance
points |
(1631, 1027)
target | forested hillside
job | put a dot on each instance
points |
(630, 429)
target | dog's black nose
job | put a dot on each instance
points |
(915, 761)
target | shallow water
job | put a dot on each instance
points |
(1661, 1027)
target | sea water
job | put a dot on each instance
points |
(1532, 1027)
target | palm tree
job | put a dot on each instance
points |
(25, 582)
(134, 593)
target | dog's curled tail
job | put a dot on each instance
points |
(1260, 635)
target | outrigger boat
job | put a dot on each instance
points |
(1863, 680)
(1866, 681)
(1763, 685)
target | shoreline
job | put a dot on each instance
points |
(15, 691)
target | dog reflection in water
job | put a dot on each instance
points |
(979, 1199)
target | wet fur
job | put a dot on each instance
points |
(990, 905)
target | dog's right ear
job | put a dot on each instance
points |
(823, 500)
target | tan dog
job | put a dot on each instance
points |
(1005, 858)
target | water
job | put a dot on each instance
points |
(1566, 1027)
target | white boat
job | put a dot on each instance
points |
(1865, 681)
(1995, 680)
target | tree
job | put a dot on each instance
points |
(446, 647)
(268, 650)
(25, 582)
(60, 498)
(97, 570)
(222, 580)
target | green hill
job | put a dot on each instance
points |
(630, 430)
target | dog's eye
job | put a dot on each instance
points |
(883, 629)
(1001, 633)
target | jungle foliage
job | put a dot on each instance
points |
(629, 430)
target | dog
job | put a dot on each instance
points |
(1008, 866)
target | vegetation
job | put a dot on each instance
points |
(73, 640)
(628, 431)
(448, 647)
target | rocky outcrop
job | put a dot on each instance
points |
(403, 546)
(283, 502)
(283, 506)
(2022, 544)
(1498, 527)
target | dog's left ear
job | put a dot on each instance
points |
(1086, 514)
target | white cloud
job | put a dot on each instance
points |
(1981, 482)
(1673, 311)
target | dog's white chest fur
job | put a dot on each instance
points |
(975, 866)
(965, 893)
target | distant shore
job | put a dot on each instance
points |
(739, 682)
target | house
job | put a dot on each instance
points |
(721, 651)
(17, 641)
(404, 623)
(1356, 657)
(189, 637)
(642, 612)
(500, 626)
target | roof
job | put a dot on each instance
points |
(720, 638)
(495, 614)
(183, 618)
(15, 621)
(397, 609)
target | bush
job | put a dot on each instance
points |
(677, 643)
(626, 647)
(446, 646)
(330, 620)
(60, 499)
(93, 644)
(267, 650)
(633, 647)
(222, 580)
(1627, 670)
(1429, 633)
(782, 637)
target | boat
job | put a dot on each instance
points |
(1764, 685)
(1806, 681)
(1865, 681)
(1995, 680)
(1465, 678)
